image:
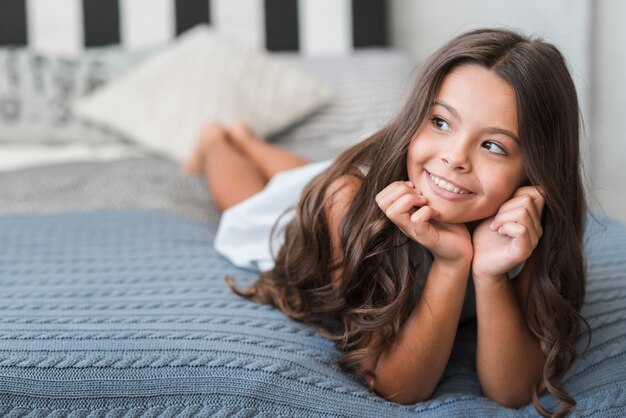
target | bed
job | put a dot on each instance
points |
(113, 301)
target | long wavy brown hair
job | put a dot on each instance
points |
(379, 283)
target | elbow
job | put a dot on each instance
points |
(404, 395)
(509, 398)
(510, 401)
(404, 398)
(412, 400)
(511, 391)
(396, 385)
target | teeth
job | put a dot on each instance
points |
(445, 185)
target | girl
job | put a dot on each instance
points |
(468, 204)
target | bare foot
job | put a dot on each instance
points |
(209, 133)
(239, 133)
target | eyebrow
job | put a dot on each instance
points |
(490, 130)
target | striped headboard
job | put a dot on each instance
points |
(312, 27)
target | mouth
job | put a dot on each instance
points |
(446, 188)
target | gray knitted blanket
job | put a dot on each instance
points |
(124, 313)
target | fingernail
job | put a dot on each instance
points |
(409, 183)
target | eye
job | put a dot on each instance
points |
(441, 124)
(494, 148)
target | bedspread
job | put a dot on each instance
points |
(124, 313)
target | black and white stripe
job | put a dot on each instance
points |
(312, 27)
(13, 22)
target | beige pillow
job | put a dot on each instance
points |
(163, 102)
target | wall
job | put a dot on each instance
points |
(587, 32)
(608, 116)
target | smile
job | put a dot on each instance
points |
(448, 186)
(447, 189)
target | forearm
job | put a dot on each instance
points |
(509, 360)
(410, 369)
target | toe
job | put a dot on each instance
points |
(209, 133)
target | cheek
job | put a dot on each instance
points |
(499, 190)
(420, 150)
(500, 181)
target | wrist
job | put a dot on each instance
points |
(487, 279)
(454, 268)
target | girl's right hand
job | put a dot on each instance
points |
(406, 207)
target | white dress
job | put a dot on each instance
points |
(243, 235)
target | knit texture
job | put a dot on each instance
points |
(126, 314)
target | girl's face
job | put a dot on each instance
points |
(466, 157)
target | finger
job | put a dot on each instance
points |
(524, 214)
(530, 190)
(390, 193)
(519, 217)
(420, 222)
(522, 201)
(415, 200)
(393, 187)
(400, 211)
(522, 239)
(519, 200)
(535, 192)
(393, 192)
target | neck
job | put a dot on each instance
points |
(472, 225)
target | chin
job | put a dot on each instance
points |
(451, 219)
(454, 216)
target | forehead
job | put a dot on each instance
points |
(480, 97)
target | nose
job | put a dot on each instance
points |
(456, 157)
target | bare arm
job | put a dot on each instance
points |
(509, 360)
(410, 369)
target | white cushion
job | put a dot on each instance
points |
(163, 102)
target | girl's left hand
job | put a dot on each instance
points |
(503, 241)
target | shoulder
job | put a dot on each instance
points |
(340, 193)
(337, 200)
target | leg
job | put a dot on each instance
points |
(231, 177)
(269, 158)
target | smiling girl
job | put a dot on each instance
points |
(468, 204)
